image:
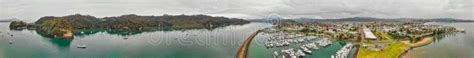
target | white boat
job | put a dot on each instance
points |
(294, 56)
(315, 47)
(81, 46)
(10, 42)
(275, 53)
(324, 42)
(306, 49)
(301, 40)
(286, 43)
(269, 44)
(344, 51)
(312, 46)
(300, 53)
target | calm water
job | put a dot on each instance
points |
(460, 45)
(198, 43)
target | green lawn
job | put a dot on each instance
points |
(392, 51)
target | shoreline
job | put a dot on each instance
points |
(424, 41)
(410, 53)
(243, 50)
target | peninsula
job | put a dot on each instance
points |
(67, 26)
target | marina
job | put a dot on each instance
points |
(278, 44)
(236, 29)
(290, 45)
(343, 52)
(379, 39)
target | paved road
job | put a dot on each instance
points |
(242, 53)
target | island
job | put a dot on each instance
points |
(66, 27)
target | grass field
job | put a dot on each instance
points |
(392, 51)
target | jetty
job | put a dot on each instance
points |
(243, 50)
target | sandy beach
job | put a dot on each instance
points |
(422, 42)
(410, 53)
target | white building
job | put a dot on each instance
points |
(368, 34)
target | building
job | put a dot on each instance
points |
(368, 34)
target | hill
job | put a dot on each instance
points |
(56, 27)
(370, 19)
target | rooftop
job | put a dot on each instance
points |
(369, 34)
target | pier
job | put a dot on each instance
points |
(243, 50)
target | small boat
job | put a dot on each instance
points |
(306, 50)
(300, 53)
(10, 42)
(286, 43)
(81, 46)
(294, 56)
(315, 47)
(269, 44)
(301, 40)
(275, 54)
(324, 42)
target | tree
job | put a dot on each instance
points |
(55, 27)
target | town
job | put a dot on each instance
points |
(363, 39)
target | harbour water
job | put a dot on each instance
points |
(459, 45)
(197, 43)
(258, 49)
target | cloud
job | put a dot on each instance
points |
(33, 9)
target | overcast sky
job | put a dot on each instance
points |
(34, 9)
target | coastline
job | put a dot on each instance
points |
(410, 53)
(243, 50)
(66, 26)
(424, 41)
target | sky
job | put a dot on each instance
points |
(247, 9)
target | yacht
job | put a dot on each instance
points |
(300, 53)
(306, 50)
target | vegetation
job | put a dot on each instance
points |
(17, 25)
(392, 38)
(371, 19)
(392, 51)
(383, 36)
(57, 27)
(53, 26)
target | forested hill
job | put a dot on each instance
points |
(56, 26)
